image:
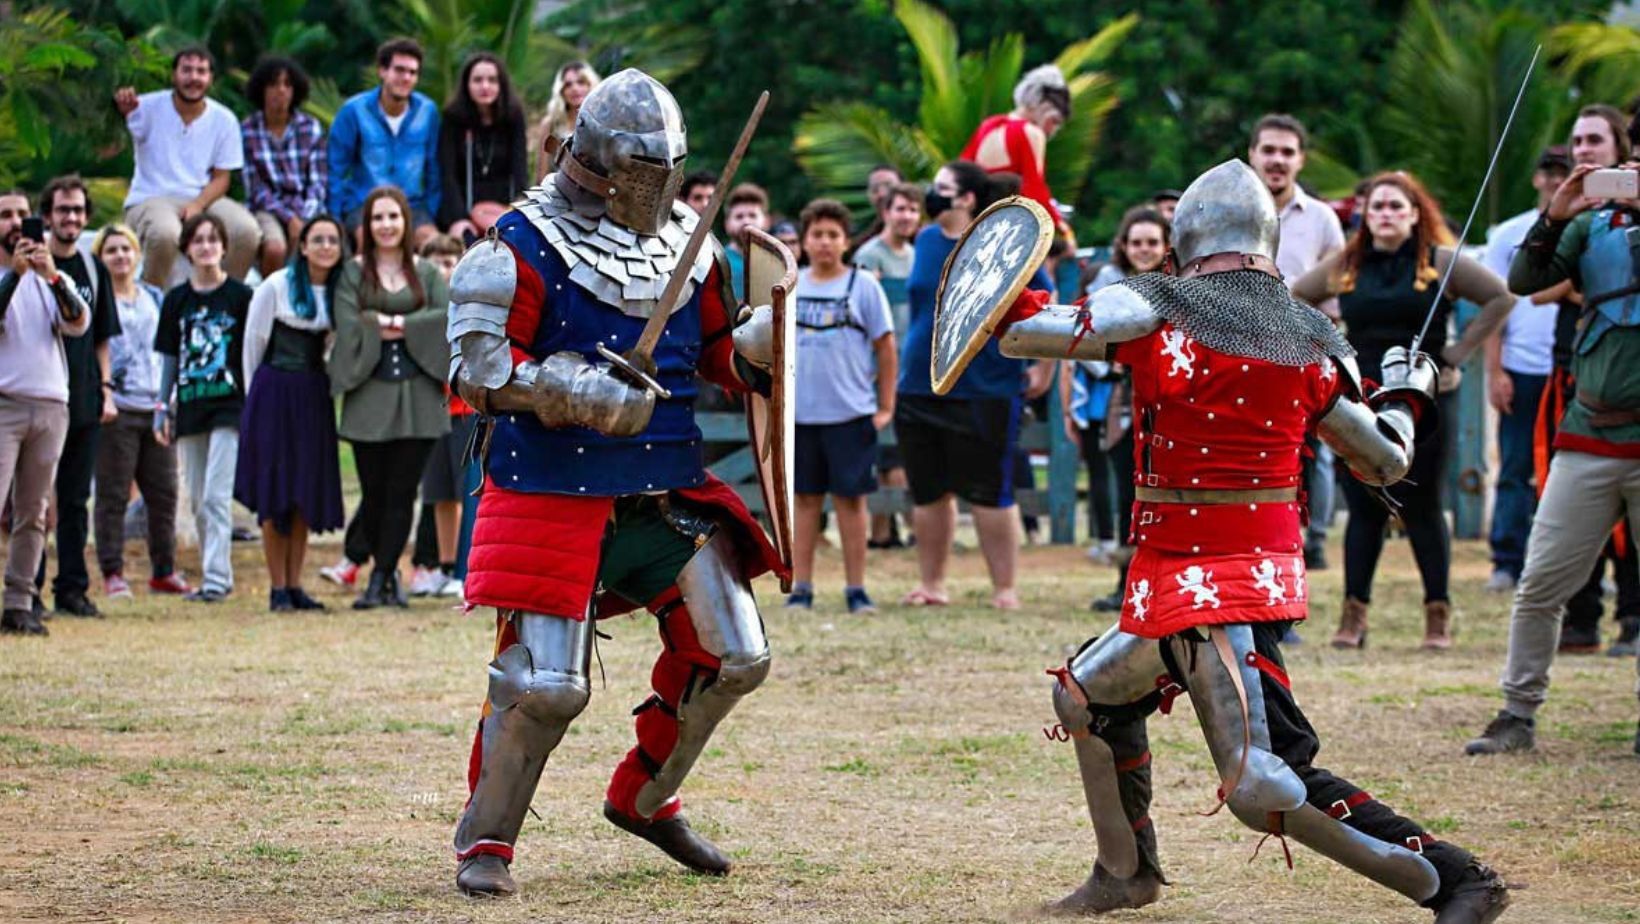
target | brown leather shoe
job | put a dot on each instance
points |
(1105, 892)
(675, 838)
(1352, 625)
(485, 875)
(1437, 626)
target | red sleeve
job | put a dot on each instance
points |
(529, 301)
(717, 347)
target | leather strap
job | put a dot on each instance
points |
(1180, 496)
(1605, 415)
(1227, 262)
(583, 176)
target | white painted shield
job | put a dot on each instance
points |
(989, 267)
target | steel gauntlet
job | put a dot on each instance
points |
(567, 390)
(754, 336)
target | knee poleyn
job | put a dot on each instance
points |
(1267, 785)
(1072, 712)
(545, 695)
(737, 677)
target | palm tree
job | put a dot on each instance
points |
(1452, 77)
(837, 143)
(1603, 57)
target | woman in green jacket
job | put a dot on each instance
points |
(388, 365)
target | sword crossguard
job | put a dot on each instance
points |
(639, 370)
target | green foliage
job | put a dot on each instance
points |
(837, 144)
(1453, 76)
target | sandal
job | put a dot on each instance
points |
(920, 597)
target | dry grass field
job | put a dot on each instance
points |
(182, 763)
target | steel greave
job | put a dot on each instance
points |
(726, 622)
(537, 688)
(1389, 865)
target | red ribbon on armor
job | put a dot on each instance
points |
(1084, 327)
(1270, 669)
(1170, 692)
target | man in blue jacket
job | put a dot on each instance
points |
(388, 137)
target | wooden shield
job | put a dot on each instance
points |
(771, 423)
(989, 267)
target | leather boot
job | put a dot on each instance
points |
(675, 838)
(1437, 626)
(485, 874)
(1105, 892)
(1479, 897)
(1352, 625)
(375, 594)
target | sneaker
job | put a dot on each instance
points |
(452, 588)
(170, 584)
(1315, 558)
(205, 595)
(1291, 636)
(37, 608)
(424, 582)
(1501, 582)
(75, 603)
(1508, 732)
(1109, 603)
(245, 534)
(300, 600)
(343, 573)
(116, 588)
(858, 601)
(801, 598)
(279, 600)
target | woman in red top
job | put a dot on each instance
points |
(1017, 142)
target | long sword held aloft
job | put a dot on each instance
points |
(639, 361)
(1476, 207)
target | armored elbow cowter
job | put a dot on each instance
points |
(563, 390)
(1376, 439)
(1114, 314)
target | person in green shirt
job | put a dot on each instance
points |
(1595, 475)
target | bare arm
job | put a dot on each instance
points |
(1475, 283)
(1317, 287)
(888, 376)
(214, 190)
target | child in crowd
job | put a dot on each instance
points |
(846, 369)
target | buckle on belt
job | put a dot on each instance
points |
(1152, 479)
(1340, 810)
(1415, 844)
(1147, 517)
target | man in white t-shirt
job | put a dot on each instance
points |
(1309, 232)
(187, 147)
(1519, 360)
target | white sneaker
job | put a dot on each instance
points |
(452, 588)
(1501, 582)
(425, 582)
(344, 573)
(1102, 552)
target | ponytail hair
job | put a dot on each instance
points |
(987, 188)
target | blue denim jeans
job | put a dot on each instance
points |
(1515, 499)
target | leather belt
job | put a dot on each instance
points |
(1227, 262)
(1604, 415)
(1180, 496)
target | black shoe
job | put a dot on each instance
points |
(206, 595)
(1315, 558)
(74, 603)
(1508, 732)
(1109, 603)
(485, 875)
(279, 601)
(1477, 898)
(1104, 891)
(675, 838)
(1627, 644)
(375, 593)
(1579, 640)
(394, 594)
(21, 622)
(300, 600)
(37, 606)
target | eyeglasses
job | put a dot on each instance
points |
(68, 210)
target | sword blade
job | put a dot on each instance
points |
(642, 353)
(1476, 207)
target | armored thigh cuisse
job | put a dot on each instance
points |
(1222, 675)
(1102, 697)
(538, 685)
(715, 605)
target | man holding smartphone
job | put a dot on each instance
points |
(1595, 475)
(38, 307)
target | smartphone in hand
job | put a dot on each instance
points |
(1613, 183)
(34, 228)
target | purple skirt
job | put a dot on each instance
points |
(287, 451)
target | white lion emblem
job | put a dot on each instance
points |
(1176, 346)
(1199, 584)
(1298, 578)
(1267, 577)
(1140, 599)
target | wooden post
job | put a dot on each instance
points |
(1466, 481)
